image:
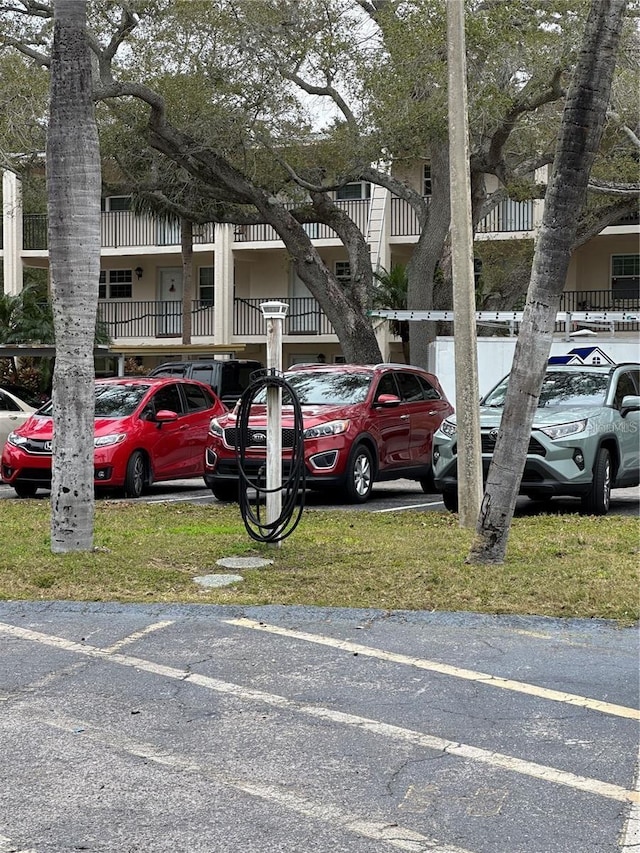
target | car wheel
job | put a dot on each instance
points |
(25, 490)
(597, 501)
(135, 478)
(225, 491)
(450, 500)
(359, 481)
(427, 485)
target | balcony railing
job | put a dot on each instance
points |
(152, 319)
(126, 318)
(603, 300)
(304, 317)
(124, 229)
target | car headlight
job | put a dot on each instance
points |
(107, 440)
(16, 440)
(215, 429)
(330, 428)
(448, 428)
(564, 430)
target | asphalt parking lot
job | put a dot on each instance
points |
(218, 730)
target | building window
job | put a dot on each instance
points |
(205, 285)
(115, 202)
(119, 284)
(625, 276)
(427, 186)
(343, 271)
(355, 190)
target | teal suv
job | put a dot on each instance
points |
(584, 442)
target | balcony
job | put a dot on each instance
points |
(126, 318)
(123, 229)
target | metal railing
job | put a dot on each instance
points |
(122, 228)
(125, 318)
(153, 319)
(304, 317)
(627, 300)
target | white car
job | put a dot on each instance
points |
(13, 413)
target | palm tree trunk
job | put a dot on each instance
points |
(73, 187)
(580, 134)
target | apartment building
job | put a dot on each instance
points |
(236, 268)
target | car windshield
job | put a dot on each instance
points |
(561, 388)
(325, 388)
(112, 401)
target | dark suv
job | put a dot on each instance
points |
(227, 377)
(362, 423)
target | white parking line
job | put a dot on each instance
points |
(397, 733)
(631, 835)
(444, 669)
(137, 635)
(408, 506)
(387, 832)
(7, 846)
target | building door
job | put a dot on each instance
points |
(170, 301)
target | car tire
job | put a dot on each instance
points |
(427, 485)
(360, 473)
(136, 476)
(227, 492)
(598, 499)
(450, 500)
(25, 490)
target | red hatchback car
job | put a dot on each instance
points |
(361, 424)
(146, 430)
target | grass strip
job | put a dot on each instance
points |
(566, 565)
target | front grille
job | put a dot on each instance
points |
(258, 437)
(37, 446)
(39, 475)
(489, 445)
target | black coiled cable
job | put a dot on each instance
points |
(252, 514)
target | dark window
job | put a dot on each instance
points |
(202, 374)
(197, 398)
(410, 387)
(167, 398)
(428, 390)
(355, 190)
(427, 185)
(387, 385)
(627, 384)
(205, 285)
(7, 404)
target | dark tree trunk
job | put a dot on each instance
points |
(580, 134)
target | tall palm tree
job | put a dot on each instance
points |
(390, 292)
(73, 185)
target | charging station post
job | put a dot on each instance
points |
(274, 314)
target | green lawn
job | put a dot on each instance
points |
(556, 565)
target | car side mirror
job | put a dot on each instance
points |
(630, 403)
(387, 401)
(165, 416)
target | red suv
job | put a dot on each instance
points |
(146, 430)
(361, 424)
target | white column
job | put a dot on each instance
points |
(12, 232)
(223, 284)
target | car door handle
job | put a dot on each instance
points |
(433, 412)
(183, 427)
(404, 417)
